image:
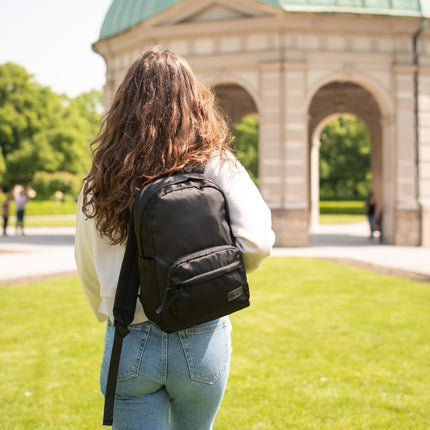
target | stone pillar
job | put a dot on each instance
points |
(271, 154)
(425, 224)
(388, 178)
(290, 227)
(271, 168)
(424, 153)
(314, 179)
(407, 213)
(283, 152)
(296, 156)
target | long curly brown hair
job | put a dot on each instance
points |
(162, 119)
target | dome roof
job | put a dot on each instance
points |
(124, 14)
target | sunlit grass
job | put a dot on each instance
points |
(46, 221)
(321, 347)
(341, 218)
(51, 214)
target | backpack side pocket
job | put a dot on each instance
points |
(149, 293)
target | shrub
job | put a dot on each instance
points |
(342, 207)
(47, 184)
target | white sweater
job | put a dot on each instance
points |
(99, 263)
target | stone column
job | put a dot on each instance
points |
(388, 178)
(271, 167)
(314, 179)
(283, 152)
(407, 214)
(271, 152)
(424, 153)
(295, 211)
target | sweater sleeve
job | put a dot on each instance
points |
(249, 214)
(85, 261)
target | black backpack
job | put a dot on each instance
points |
(181, 252)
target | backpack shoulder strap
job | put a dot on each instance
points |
(128, 282)
(123, 311)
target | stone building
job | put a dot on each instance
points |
(298, 64)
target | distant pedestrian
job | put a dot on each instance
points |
(370, 207)
(5, 212)
(20, 202)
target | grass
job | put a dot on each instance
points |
(46, 221)
(341, 218)
(46, 207)
(46, 213)
(352, 207)
(322, 347)
(52, 214)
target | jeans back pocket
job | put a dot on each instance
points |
(207, 349)
(132, 350)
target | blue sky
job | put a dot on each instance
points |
(52, 40)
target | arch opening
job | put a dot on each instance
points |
(344, 100)
(235, 101)
(242, 114)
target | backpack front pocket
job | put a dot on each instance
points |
(206, 285)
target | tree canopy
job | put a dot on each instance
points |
(345, 158)
(41, 130)
(245, 144)
(344, 155)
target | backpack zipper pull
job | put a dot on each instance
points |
(169, 297)
(163, 303)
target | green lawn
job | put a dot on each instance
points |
(322, 346)
(46, 214)
(46, 221)
(341, 207)
(52, 214)
(341, 218)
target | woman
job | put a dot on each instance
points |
(162, 119)
(370, 207)
(5, 212)
(20, 202)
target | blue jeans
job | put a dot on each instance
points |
(169, 381)
(371, 218)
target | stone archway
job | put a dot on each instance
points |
(330, 101)
(297, 68)
(235, 101)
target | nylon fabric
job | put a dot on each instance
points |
(188, 262)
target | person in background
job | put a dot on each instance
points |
(5, 209)
(20, 202)
(370, 207)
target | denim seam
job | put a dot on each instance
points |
(164, 348)
(136, 364)
(204, 329)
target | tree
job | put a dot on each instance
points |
(2, 168)
(41, 130)
(245, 144)
(345, 158)
(22, 107)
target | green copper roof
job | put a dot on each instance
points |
(124, 14)
(384, 7)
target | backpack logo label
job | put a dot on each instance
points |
(235, 293)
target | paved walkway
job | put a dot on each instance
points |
(48, 252)
(40, 253)
(350, 244)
